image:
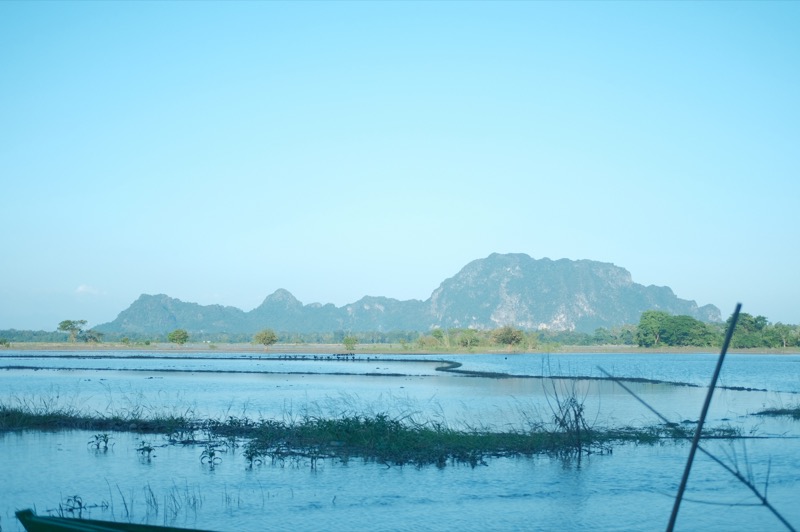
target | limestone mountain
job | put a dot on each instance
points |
(579, 295)
(160, 313)
(502, 289)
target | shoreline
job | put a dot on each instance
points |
(376, 349)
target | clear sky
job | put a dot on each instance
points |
(216, 152)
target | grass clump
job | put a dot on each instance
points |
(26, 418)
(381, 439)
(373, 438)
(378, 438)
(791, 411)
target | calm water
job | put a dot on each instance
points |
(631, 489)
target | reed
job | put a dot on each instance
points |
(394, 442)
(30, 417)
(151, 501)
(376, 437)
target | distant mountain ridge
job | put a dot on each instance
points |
(502, 289)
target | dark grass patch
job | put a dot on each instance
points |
(792, 412)
(375, 438)
(15, 418)
(394, 442)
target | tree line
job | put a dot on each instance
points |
(655, 329)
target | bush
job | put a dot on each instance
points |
(508, 335)
(265, 337)
(178, 336)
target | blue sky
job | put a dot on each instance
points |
(216, 152)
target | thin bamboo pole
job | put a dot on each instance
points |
(696, 440)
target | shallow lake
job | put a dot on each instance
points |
(630, 489)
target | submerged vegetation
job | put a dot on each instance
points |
(790, 411)
(393, 442)
(373, 438)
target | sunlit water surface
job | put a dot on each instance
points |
(630, 489)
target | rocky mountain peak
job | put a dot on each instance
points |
(502, 289)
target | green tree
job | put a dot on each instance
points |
(508, 335)
(265, 337)
(73, 327)
(178, 336)
(90, 336)
(749, 331)
(784, 335)
(660, 328)
(350, 342)
(603, 336)
(624, 335)
(651, 327)
(468, 338)
(680, 331)
(532, 340)
(428, 342)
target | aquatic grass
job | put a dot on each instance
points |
(791, 411)
(568, 409)
(21, 418)
(73, 503)
(210, 454)
(128, 510)
(146, 450)
(27, 416)
(75, 506)
(390, 441)
(375, 437)
(100, 440)
(177, 500)
(150, 499)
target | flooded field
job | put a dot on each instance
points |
(629, 489)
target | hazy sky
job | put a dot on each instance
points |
(216, 152)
